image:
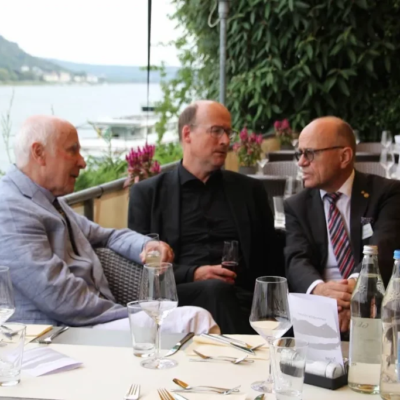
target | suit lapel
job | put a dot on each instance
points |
(237, 204)
(316, 216)
(171, 218)
(358, 206)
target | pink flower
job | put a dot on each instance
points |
(243, 135)
(277, 125)
(285, 124)
(259, 139)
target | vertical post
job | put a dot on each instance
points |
(223, 8)
(88, 209)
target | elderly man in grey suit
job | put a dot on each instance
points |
(48, 247)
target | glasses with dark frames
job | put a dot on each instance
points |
(218, 131)
(309, 154)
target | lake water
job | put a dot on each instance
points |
(76, 104)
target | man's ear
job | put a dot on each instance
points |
(347, 156)
(186, 134)
(38, 153)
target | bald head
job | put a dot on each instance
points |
(43, 129)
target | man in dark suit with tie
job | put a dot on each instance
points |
(340, 210)
(198, 206)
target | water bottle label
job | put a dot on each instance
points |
(365, 341)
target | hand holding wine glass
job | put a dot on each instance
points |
(270, 316)
(230, 255)
(158, 297)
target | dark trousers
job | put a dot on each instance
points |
(228, 304)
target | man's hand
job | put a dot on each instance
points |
(339, 290)
(344, 320)
(214, 272)
(167, 254)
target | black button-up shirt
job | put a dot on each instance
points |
(206, 220)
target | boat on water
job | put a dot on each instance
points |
(121, 134)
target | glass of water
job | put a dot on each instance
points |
(153, 249)
(12, 339)
(7, 304)
(143, 330)
(289, 361)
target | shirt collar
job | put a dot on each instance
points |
(185, 176)
(345, 189)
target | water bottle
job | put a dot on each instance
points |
(390, 368)
(366, 326)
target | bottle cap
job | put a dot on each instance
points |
(396, 255)
(370, 250)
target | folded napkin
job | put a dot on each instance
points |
(33, 331)
(213, 348)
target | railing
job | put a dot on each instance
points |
(87, 196)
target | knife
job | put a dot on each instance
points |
(179, 344)
(228, 341)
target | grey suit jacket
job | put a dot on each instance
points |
(51, 283)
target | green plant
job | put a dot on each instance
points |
(248, 148)
(296, 58)
(283, 132)
(6, 125)
(168, 152)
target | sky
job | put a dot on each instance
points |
(112, 32)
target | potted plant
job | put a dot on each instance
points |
(248, 150)
(284, 134)
(141, 164)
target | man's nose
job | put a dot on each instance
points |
(82, 162)
(224, 139)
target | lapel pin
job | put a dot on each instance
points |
(366, 195)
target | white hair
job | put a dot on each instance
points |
(37, 129)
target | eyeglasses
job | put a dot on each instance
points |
(309, 154)
(218, 131)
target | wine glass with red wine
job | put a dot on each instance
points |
(230, 255)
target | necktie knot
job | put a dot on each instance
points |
(333, 197)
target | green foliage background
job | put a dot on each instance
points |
(295, 59)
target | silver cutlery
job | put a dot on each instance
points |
(233, 360)
(214, 389)
(229, 342)
(165, 395)
(179, 344)
(133, 393)
(49, 339)
(243, 343)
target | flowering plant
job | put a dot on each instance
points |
(141, 164)
(248, 148)
(283, 131)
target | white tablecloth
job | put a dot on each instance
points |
(107, 372)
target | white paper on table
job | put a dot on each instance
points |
(315, 320)
(44, 360)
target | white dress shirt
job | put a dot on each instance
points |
(331, 271)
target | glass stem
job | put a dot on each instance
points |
(158, 340)
(269, 379)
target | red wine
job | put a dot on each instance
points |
(232, 265)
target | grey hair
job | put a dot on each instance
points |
(33, 130)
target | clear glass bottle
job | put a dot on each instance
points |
(390, 368)
(366, 326)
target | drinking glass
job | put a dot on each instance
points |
(357, 136)
(12, 339)
(270, 317)
(230, 255)
(262, 163)
(386, 139)
(387, 161)
(295, 142)
(279, 212)
(153, 249)
(7, 305)
(158, 297)
(289, 363)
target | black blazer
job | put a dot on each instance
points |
(154, 206)
(306, 249)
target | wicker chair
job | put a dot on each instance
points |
(373, 147)
(123, 276)
(370, 168)
(281, 168)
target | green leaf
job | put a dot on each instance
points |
(343, 87)
(252, 17)
(306, 69)
(362, 3)
(310, 89)
(387, 63)
(269, 78)
(389, 46)
(329, 83)
(351, 55)
(296, 20)
(276, 109)
(291, 6)
(300, 4)
(277, 63)
(309, 50)
(318, 67)
(336, 49)
(370, 65)
(267, 11)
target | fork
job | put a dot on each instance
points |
(165, 395)
(50, 338)
(133, 393)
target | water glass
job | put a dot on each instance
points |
(279, 212)
(261, 164)
(143, 330)
(12, 338)
(230, 255)
(288, 367)
(386, 139)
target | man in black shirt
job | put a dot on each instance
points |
(198, 206)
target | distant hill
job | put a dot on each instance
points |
(13, 60)
(116, 73)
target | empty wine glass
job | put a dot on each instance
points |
(153, 249)
(386, 139)
(158, 297)
(387, 161)
(270, 317)
(295, 142)
(262, 163)
(7, 304)
(230, 255)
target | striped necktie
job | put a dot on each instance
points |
(339, 238)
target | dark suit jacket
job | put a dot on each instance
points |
(154, 206)
(306, 249)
